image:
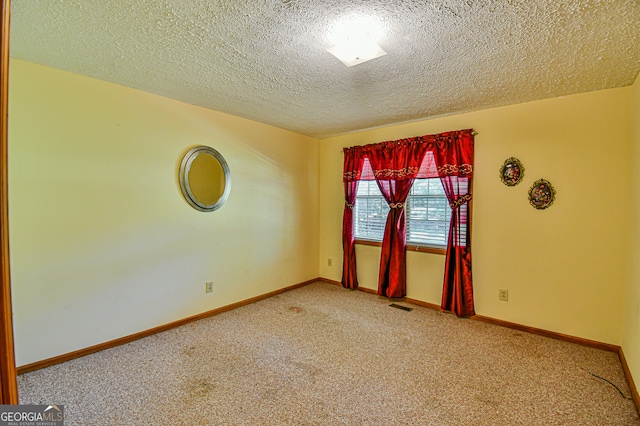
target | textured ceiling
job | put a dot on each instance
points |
(267, 60)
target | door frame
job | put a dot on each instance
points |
(8, 374)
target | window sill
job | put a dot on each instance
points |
(410, 247)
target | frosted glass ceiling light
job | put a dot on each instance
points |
(352, 54)
(356, 40)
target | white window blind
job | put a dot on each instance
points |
(428, 214)
(370, 213)
(427, 209)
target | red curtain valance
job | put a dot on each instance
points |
(439, 159)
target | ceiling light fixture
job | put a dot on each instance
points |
(356, 40)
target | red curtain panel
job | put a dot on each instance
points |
(395, 166)
(353, 160)
(454, 159)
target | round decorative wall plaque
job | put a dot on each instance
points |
(541, 194)
(511, 172)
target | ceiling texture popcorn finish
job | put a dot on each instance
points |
(266, 60)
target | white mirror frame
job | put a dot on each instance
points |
(185, 167)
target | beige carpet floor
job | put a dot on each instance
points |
(322, 355)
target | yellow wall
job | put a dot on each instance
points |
(631, 324)
(102, 242)
(565, 267)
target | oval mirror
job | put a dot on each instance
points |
(205, 179)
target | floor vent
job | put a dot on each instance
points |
(404, 308)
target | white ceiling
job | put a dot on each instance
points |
(266, 60)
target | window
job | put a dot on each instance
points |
(427, 208)
(428, 213)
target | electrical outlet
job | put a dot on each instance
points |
(329, 261)
(209, 287)
(503, 295)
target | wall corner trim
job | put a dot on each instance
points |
(632, 385)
